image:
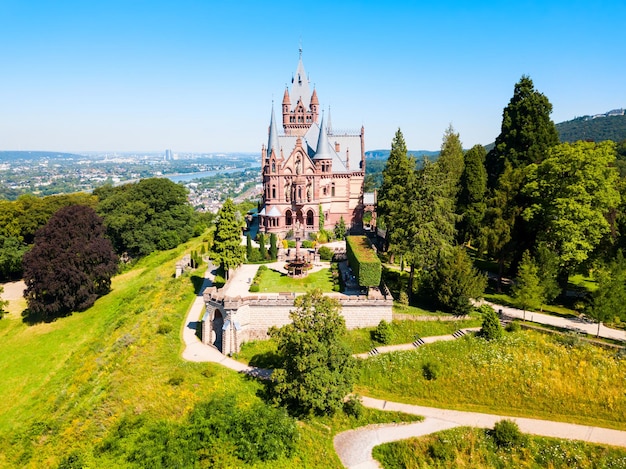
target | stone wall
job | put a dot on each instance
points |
(250, 317)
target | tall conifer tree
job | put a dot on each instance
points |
(227, 249)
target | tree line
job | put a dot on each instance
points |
(67, 247)
(529, 201)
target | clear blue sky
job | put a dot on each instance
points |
(201, 75)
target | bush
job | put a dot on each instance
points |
(431, 370)
(491, 329)
(254, 288)
(403, 298)
(326, 254)
(164, 328)
(440, 451)
(353, 407)
(507, 434)
(306, 244)
(383, 334)
(513, 326)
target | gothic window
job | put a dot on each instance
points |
(332, 190)
(273, 192)
(309, 218)
(288, 218)
(299, 194)
(273, 166)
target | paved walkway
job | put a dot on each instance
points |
(354, 447)
(566, 323)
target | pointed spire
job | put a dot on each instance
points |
(314, 99)
(272, 143)
(323, 147)
(300, 85)
(330, 124)
(286, 100)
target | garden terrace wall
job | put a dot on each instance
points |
(363, 260)
(242, 319)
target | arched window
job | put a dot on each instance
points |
(288, 218)
(309, 218)
(332, 190)
(273, 192)
(273, 166)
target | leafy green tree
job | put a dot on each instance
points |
(273, 247)
(456, 282)
(571, 192)
(152, 214)
(318, 370)
(528, 291)
(607, 301)
(228, 252)
(12, 251)
(491, 328)
(70, 265)
(548, 270)
(471, 204)
(526, 134)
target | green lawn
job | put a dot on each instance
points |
(476, 448)
(523, 374)
(271, 281)
(67, 385)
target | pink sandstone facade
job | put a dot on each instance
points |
(310, 167)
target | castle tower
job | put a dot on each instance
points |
(299, 116)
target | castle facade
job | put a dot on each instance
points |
(311, 172)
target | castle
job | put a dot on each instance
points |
(309, 169)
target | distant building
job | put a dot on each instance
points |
(310, 167)
(168, 155)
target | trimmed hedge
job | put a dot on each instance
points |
(363, 260)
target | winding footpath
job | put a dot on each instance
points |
(354, 447)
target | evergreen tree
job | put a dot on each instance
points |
(318, 369)
(248, 247)
(528, 293)
(491, 328)
(526, 134)
(273, 247)
(393, 198)
(70, 265)
(451, 161)
(457, 282)
(227, 249)
(427, 220)
(471, 201)
(340, 229)
(262, 248)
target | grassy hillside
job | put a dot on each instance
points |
(69, 387)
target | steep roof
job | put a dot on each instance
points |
(323, 150)
(300, 89)
(272, 141)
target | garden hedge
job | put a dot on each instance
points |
(363, 261)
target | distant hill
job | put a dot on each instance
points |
(608, 126)
(25, 155)
(384, 154)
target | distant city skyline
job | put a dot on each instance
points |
(197, 76)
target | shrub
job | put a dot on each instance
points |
(403, 298)
(164, 328)
(254, 288)
(491, 329)
(326, 254)
(507, 434)
(441, 451)
(307, 244)
(353, 407)
(431, 370)
(176, 380)
(513, 326)
(383, 334)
